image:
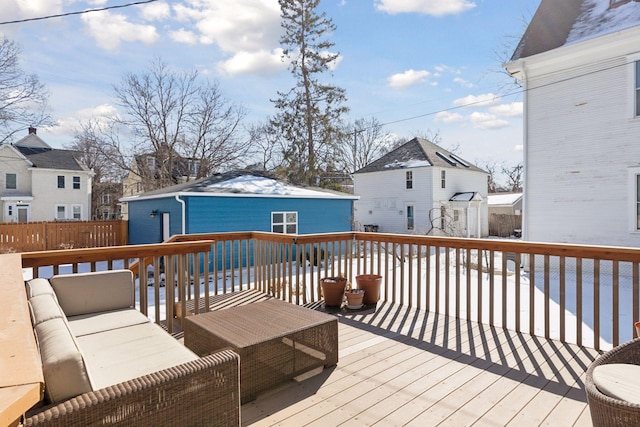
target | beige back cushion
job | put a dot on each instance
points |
(44, 307)
(84, 293)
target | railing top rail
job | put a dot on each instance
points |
(34, 259)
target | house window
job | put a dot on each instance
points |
(61, 212)
(410, 218)
(637, 89)
(443, 179)
(151, 163)
(60, 181)
(11, 181)
(106, 198)
(284, 222)
(409, 180)
(77, 212)
(456, 215)
(76, 182)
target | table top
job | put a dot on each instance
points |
(254, 323)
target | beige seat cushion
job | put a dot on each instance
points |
(93, 323)
(84, 293)
(126, 353)
(65, 373)
(618, 380)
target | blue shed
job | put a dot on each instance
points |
(237, 201)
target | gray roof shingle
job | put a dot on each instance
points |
(418, 153)
(51, 158)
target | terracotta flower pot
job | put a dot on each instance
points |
(371, 284)
(354, 297)
(333, 290)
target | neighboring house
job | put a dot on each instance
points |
(505, 203)
(505, 214)
(40, 183)
(144, 172)
(236, 201)
(421, 188)
(579, 64)
(106, 200)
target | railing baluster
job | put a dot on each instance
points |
(596, 304)
(447, 279)
(437, 284)
(547, 297)
(579, 301)
(615, 300)
(458, 270)
(479, 287)
(563, 297)
(635, 310)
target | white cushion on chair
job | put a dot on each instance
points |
(619, 380)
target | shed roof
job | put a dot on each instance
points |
(416, 153)
(561, 22)
(241, 183)
(504, 199)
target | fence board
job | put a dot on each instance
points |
(43, 236)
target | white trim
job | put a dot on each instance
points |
(263, 196)
(17, 198)
(284, 222)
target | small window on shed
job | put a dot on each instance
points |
(284, 222)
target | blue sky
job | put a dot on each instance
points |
(411, 64)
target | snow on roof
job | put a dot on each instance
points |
(261, 185)
(598, 19)
(414, 163)
(504, 199)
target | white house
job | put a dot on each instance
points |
(578, 62)
(421, 188)
(39, 183)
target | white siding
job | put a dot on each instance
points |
(384, 198)
(579, 146)
(47, 195)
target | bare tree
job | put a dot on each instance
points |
(514, 176)
(491, 167)
(23, 99)
(174, 116)
(267, 145)
(363, 142)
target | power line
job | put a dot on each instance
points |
(18, 21)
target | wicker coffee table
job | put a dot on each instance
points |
(276, 341)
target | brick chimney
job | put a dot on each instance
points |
(32, 130)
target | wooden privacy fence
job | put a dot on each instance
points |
(44, 236)
(504, 225)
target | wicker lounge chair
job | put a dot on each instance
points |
(605, 410)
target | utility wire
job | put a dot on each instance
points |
(18, 21)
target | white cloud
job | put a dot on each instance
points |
(427, 7)
(508, 110)
(184, 36)
(487, 121)
(20, 9)
(463, 82)
(409, 78)
(109, 30)
(448, 117)
(155, 11)
(483, 100)
(68, 125)
(261, 62)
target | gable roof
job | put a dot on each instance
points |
(241, 183)
(51, 158)
(418, 153)
(558, 23)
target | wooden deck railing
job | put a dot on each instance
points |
(588, 295)
(43, 236)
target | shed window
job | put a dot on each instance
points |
(11, 181)
(284, 222)
(409, 180)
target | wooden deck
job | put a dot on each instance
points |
(399, 366)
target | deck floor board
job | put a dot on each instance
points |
(400, 366)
